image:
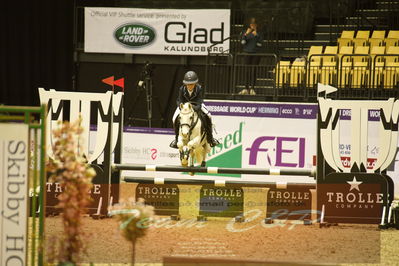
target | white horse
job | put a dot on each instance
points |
(192, 141)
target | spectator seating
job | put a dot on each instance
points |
(358, 62)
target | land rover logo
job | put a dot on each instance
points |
(134, 35)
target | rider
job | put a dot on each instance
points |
(191, 92)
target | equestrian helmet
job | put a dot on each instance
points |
(190, 78)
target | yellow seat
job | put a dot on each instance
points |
(328, 71)
(359, 42)
(378, 34)
(393, 50)
(391, 42)
(393, 34)
(363, 34)
(330, 50)
(344, 42)
(345, 50)
(362, 37)
(298, 72)
(350, 34)
(345, 65)
(346, 38)
(377, 51)
(377, 65)
(283, 72)
(391, 70)
(361, 67)
(314, 62)
(376, 42)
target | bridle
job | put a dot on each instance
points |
(191, 125)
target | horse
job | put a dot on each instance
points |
(192, 142)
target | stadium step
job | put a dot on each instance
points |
(387, 5)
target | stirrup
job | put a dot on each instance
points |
(173, 144)
(214, 142)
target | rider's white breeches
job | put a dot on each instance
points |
(203, 108)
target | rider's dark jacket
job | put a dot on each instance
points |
(195, 98)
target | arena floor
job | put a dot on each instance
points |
(220, 238)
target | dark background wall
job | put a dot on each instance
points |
(35, 49)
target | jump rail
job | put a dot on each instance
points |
(215, 170)
(221, 183)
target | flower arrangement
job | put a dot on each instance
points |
(71, 171)
(134, 218)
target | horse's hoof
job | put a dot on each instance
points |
(203, 164)
(191, 173)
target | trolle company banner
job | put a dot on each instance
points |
(155, 31)
(13, 193)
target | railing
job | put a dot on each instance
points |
(219, 74)
(254, 74)
(358, 76)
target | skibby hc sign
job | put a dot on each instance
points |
(156, 31)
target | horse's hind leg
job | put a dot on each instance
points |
(191, 162)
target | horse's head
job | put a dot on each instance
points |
(186, 119)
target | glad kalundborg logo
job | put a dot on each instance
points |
(135, 35)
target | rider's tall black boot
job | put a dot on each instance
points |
(209, 133)
(173, 144)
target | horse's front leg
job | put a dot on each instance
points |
(180, 142)
(192, 144)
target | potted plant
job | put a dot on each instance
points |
(69, 168)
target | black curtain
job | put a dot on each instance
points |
(36, 49)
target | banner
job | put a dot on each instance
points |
(14, 148)
(253, 134)
(155, 31)
(261, 135)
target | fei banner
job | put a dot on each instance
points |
(155, 31)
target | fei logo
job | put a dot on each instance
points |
(279, 151)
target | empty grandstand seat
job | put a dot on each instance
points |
(393, 34)
(349, 34)
(363, 34)
(392, 39)
(361, 67)
(328, 71)
(376, 42)
(297, 76)
(346, 38)
(378, 64)
(330, 60)
(314, 63)
(362, 37)
(363, 51)
(345, 65)
(283, 72)
(378, 34)
(391, 42)
(391, 70)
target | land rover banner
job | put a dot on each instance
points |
(156, 31)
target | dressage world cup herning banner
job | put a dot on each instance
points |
(156, 31)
